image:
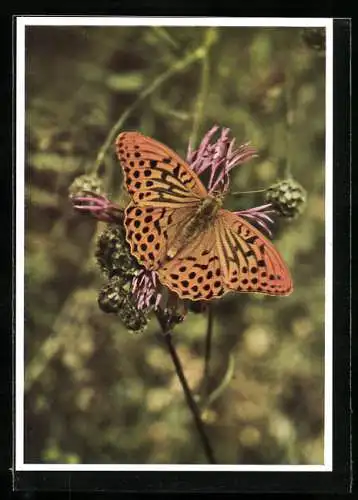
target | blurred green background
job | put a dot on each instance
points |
(94, 393)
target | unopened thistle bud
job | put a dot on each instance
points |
(314, 38)
(288, 197)
(84, 184)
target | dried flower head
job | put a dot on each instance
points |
(131, 292)
(314, 38)
(116, 297)
(113, 255)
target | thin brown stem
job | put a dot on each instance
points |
(289, 123)
(208, 343)
(199, 424)
(190, 400)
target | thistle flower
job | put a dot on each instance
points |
(219, 158)
(145, 290)
(98, 205)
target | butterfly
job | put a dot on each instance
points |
(176, 228)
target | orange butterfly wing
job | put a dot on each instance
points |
(152, 230)
(230, 255)
(249, 261)
(165, 195)
(155, 175)
(195, 272)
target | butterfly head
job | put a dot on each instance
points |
(219, 197)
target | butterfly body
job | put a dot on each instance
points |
(176, 228)
(203, 216)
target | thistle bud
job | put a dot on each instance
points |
(84, 184)
(288, 197)
(115, 297)
(113, 253)
(314, 38)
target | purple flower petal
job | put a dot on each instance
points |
(145, 290)
(220, 156)
(259, 215)
(98, 205)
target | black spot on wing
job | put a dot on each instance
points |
(251, 240)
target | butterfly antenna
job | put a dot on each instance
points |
(226, 180)
(248, 192)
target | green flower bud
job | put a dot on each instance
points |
(84, 184)
(288, 197)
(314, 38)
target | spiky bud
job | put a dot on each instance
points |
(113, 253)
(288, 197)
(314, 38)
(115, 297)
(84, 184)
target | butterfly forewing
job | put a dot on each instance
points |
(249, 261)
(155, 175)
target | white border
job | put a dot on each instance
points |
(23, 21)
(328, 367)
(174, 21)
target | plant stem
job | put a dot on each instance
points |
(190, 400)
(199, 105)
(166, 37)
(248, 192)
(208, 342)
(178, 66)
(187, 392)
(223, 384)
(289, 122)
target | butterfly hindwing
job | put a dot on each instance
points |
(195, 272)
(150, 231)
